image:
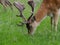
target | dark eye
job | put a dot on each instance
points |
(28, 26)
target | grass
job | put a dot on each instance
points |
(11, 34)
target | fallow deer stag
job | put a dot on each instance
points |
(48, 7)
(5, 3)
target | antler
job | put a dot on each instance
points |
(20, 7)
(9, 3)
(31, 3)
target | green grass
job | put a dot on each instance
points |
(11, 34)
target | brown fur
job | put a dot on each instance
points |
(47, 7)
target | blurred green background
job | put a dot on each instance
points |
(11, 34)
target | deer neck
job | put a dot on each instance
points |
(41, 13)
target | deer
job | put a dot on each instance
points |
(49, 8)
(5, 3)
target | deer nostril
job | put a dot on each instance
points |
(28, 26)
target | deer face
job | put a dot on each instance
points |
(31, 25)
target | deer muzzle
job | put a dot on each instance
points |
(31, 27)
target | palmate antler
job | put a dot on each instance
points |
(21, 7)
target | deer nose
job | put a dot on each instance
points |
(29, 27)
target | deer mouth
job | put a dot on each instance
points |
(29, 28)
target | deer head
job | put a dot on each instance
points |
(31, 20)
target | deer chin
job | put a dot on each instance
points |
(32, 27)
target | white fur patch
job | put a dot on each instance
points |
(34, 25)
(58, 12)
(51, 15)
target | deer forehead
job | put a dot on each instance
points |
(35, 24)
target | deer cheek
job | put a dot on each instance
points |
(33, 27)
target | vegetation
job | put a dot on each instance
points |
(11, 34)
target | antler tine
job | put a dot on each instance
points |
(31, 3)
(9, 3)
(20, 7)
